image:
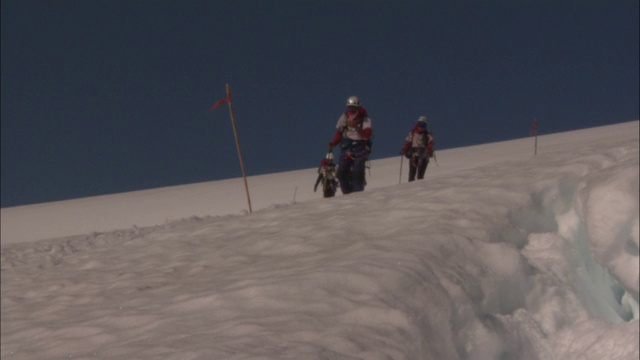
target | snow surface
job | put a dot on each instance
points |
(497, 254)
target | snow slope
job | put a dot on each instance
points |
(497, 254)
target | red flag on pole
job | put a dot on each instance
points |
(219, 102)
(534, 127)
(235, 133)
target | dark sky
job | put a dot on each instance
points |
(107, 96)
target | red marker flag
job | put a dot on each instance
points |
(534, 127)
(220, 102)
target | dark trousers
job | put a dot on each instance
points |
(329, 192)
(351, 169)
(418, 166)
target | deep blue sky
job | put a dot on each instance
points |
(107, 96)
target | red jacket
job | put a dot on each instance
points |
(353, 123)
(416, 139)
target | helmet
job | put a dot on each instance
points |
(329, 156)
(353, 101)
(423, 119)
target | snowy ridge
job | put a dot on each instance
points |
(518, 257)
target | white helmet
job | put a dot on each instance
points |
(353, 101)
(423, 119)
